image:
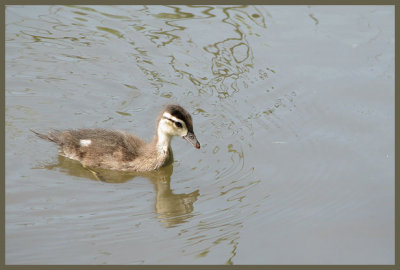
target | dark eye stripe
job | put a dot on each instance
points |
(178, 124)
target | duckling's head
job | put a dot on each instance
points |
(176, 121)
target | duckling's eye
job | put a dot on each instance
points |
(177, 124)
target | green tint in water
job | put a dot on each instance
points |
(124, 113)
(111, 31)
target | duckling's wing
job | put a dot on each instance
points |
(95, 146)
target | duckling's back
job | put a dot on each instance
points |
(96, 147)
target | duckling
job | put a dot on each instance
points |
(118, 150)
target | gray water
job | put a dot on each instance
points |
(293, 107)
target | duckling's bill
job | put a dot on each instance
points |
(190, 137)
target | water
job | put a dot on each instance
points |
(293, 107)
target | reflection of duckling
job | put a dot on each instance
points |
(117, 150)
(172, 209)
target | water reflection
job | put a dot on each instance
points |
(213, 64)
(172, 209)
(232, 56)
(228, 57)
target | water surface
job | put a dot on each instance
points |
(293, 107)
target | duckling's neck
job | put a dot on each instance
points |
(163, 142)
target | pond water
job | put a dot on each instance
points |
(293, 107)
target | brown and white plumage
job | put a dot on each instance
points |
(118, 150)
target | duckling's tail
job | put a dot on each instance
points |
(48, 137)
